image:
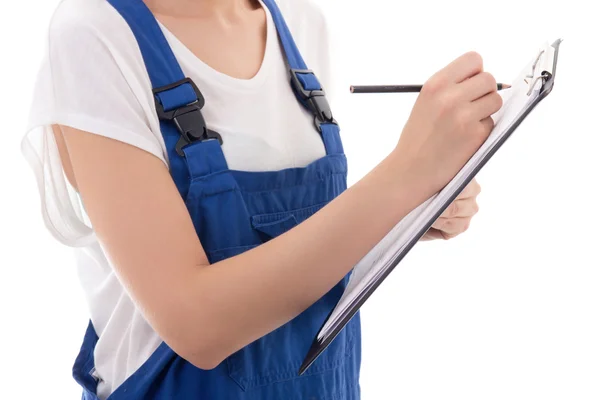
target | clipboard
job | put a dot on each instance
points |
(534, 84)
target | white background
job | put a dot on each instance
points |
(509, 310)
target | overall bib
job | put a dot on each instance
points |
(234, 211)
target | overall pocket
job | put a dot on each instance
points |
(278, 355)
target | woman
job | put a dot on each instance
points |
(223, 233)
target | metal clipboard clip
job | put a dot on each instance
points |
(532, 79)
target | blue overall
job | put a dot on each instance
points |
(234, 211)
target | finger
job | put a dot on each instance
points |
(452, 226)
(478, 86)
(487, 105)
(448, 236)
(461, 208)
(464, 67)
(472, 190)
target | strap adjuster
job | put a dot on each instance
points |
(188, 118)
(315, 100)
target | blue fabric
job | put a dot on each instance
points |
(309, 81)
(163, 69)
(177, 97)
(233, 212)
(330, 134)
(84, 363)
(295, 61)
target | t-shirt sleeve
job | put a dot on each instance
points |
(86, 83)
(83, 85)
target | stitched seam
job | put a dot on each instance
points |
(232, 248)
(207, 176)
(268, 377)
(203, 196)
(289, 187)
(266, 190)
(284, 213)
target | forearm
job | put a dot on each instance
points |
(247, 296)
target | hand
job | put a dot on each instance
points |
(449, 122)
(457, 217)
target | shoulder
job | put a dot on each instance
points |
(89, 26)
(89, 42)
(78, 16)
(93, 77)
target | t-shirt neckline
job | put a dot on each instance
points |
(219, 77)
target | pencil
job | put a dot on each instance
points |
(399, 88)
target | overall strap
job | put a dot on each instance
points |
(306, 86)
(178, 100)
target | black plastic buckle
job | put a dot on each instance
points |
(315, 100)
(188, 119)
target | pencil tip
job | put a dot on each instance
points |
(506, 86)
(351, 89)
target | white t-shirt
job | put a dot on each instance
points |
(93, 78)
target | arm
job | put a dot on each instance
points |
(146, 230)
(143, 223)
